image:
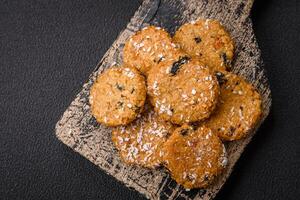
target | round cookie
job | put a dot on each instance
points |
(208, 40)
(182, 91)
(141, 141)
(194, 157)
(238, 110)
(147, 48)
(117, 96)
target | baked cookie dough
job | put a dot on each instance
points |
(141, 141)
(194, 157)
(118, 96)
(208, 40)
(147, 48)
(238, 110)
(182, 91)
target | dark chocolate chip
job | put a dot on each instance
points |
(197, 40)
(119, 87)
(221, 78)
(176, 65)
(206, 178)
(132, 90)
(184, 132)
(120, 104)
(194, 125)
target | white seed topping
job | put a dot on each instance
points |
(194, 91)
(206, 24)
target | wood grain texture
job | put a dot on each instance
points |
(80, 131)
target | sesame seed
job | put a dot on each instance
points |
(167, 70)
(194, 91)
(184, 175)
(206, 24)
(209, 164)
(184, 97)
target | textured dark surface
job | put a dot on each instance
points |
(49, 49)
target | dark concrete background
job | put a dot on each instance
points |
(49, 48)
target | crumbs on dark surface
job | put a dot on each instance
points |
(197, 40)
(220, 77)
(176, 65)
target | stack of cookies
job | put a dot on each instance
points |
(174, 101)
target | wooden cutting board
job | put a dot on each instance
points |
(80, 131)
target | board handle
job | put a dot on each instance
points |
(244, 8)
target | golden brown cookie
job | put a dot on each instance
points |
(238, 110)
(118, 96)
(141, 141)
(182, 91)
(147, 48)
(194, 157)
(207, 39)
